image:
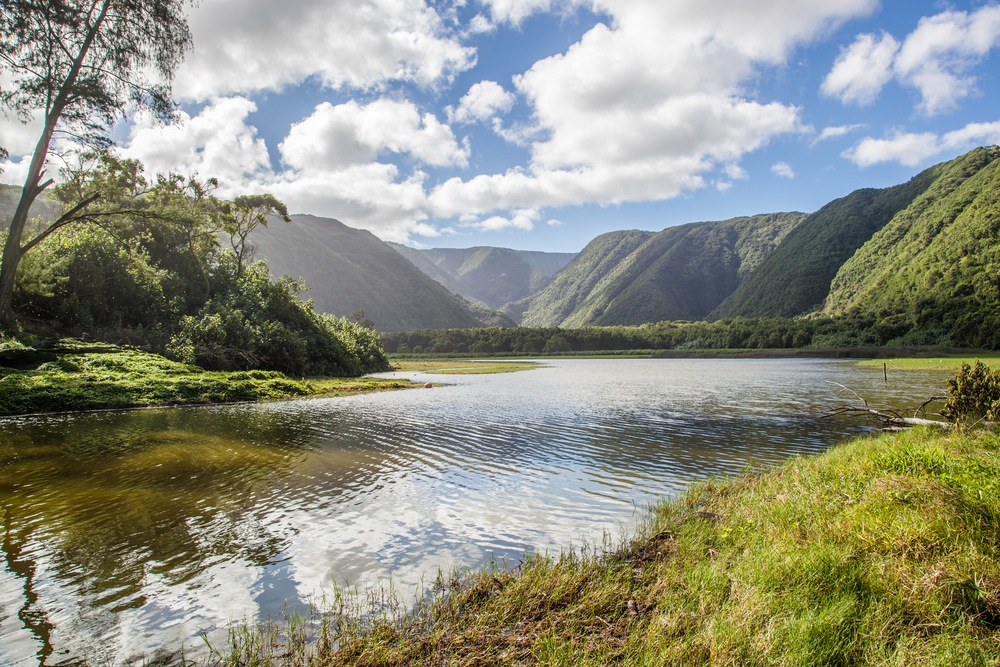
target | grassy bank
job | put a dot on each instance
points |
(882, 551)
(70, 376)
(464, 366)
(950, 362)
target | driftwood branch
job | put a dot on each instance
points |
(890, 419)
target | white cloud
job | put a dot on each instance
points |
(934, 59)
(862, 69)
(333, 137)
(835, 131)
(936, 56)
(515, 11)
(243, 46)
(783, 169)
(914, 149)
(483, 101)
(217, 142)
(641, 108)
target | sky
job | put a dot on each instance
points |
(540, 124)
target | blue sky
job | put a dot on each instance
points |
(539, 124)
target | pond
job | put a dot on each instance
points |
(129, 535)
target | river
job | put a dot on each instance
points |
(129, 535)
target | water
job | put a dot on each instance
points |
(130, 534)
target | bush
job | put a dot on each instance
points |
(974, 394)
(256, 324)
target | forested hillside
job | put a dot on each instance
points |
(934, 270)
(571, 286)
(681, 273)
(795, 278)
(350, 269)
(492, 276)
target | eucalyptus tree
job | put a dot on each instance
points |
(82, 65)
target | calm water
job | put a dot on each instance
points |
(125, 534)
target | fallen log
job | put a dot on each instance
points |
(890, 419)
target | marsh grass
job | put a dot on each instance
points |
(71, 376)
(465, 366)
(882, 551)
(951, 363)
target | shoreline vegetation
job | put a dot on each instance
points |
(68, 375)
(881, 551)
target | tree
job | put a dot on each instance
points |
(245, 214)
(83, 64)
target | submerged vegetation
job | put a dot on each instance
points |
(882, 551)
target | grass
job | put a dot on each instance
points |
(882, 551)
(75, 376)
(464, 366)
(944, 363)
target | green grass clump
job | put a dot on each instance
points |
(882, 551)
(73, 376)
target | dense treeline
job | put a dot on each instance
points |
(166, 265)
(740, 333)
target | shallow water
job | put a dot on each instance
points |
(128, 534)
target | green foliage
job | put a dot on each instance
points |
(974, 394)
(149, 269)
(934, 266)
(757, 334)
(796, 277)
(86, 278)
(79, 377)
(254, 323)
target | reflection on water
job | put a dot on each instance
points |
(128, 533)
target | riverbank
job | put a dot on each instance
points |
(881, 551)
(72, 376)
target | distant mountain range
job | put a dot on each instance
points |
(921, 256)
(925, 253)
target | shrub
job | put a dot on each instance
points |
(974, 394)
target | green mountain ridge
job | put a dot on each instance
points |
(573, 284)
(350, 269)
(795, 278)
(936, 265)
(491, 276)
(680, 273)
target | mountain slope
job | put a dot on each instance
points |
(350, 269)
(683, 272)
(936, 263)
(796, 277)
(573, 284)
(492, 276)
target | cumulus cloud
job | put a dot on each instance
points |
(640, 108)
(914, 149)
(248, 45)
(515, 11)
(334, 136)
(935, 59)
(217, 142)
(862, 69)
(835, 131)
(484, 100)
(783, 169)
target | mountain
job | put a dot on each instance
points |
(350, 269)
(936, 264)
(44, 205)
(680, 273)
(795, 278)
(492, 276)
(574, 283)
